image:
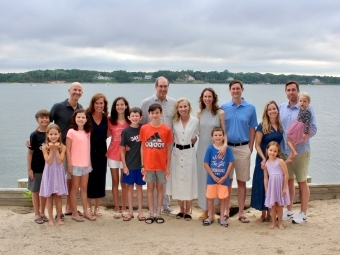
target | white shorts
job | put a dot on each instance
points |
(114, 163)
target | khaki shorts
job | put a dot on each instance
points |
(298, 168)
(217, 190)
(241, 163)
(155, 176)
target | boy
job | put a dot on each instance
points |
(131, 160)
(36, 164)
(156, 139)
(218, 175)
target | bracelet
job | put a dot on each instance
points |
(142, 166)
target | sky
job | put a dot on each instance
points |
(265, 36)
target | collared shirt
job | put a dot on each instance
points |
(167, 109)
(238, 120)
(288, 114)
(61, 114)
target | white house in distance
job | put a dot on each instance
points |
(189, 77)
(100, 77)
(147, 77)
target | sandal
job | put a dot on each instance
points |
(127, 217)
(159, 220)
(90, 218)
(179, 215)
(224, 223)
(141, 217)
(117, 215)
(78, 219)
(97, 212)
(44, 218)
(243, 219)
(149, 220)
(187, 217)
(207, 222)
(89, 211)
(39, 220)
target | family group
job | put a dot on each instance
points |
(155, 145)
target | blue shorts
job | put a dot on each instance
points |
(135, 176)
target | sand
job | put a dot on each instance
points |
(320, 235)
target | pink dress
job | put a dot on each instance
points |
(299, 127)
(275, 185)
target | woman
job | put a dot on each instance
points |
(96, 185)
(210, 116)
(182, 181)
(270, 129)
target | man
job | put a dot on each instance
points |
(61, 114)
(298, 168)
(240, 122)
(167, 103)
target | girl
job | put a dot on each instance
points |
(98, 113)
(182, 182)
(53, 183)
(276, 189)
(270, 129)
(78, 160)
(117, 122)
(300, 129)
(210, 115)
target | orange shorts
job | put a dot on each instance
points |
(217, 190)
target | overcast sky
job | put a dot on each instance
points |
(290, 36)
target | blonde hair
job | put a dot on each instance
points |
(49, 128)
(175, 110)
(305, 95)
(266, 125)
(273, 143)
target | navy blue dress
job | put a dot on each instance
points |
(257, 191)
(97, 178)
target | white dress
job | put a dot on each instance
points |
(182, 181)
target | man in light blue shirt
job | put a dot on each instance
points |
(298, 168)
(240, 123)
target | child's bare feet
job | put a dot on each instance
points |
(271, 226)
(280, 227)
(51, 223)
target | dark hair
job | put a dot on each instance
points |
(114, 114)
(215, 129)
(273, 143)
(136, 110)
(56, 127)
(42, 113)
(87, 126)
(161, 77)
(293, 82)
(154, 107)
(214, 107)
(234, 82)
(96, 97)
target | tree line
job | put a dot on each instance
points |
(189, 76)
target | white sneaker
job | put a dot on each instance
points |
(169, 211)
(287, 215)
(300, 218)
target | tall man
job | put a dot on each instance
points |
(240, 123)
(298, 168)
(61, 114)
(167, 103)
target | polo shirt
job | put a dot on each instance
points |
(288, 114)
(167, 109)
(238, 120)
(61, 114)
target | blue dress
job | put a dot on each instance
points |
(257, 191)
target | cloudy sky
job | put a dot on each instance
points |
(290, 36)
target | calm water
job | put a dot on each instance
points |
(20, 102)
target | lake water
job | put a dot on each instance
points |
(20, 102)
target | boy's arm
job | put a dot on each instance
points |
(29, 163)
(142, 158)
(122, 156)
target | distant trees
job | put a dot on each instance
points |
(122, 76)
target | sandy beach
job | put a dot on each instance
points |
(320, 235)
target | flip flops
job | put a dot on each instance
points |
(179, 215)
(187, 217)
(159, 220)
(90, 218)
(127, 217)
(149, 220)
(207, 222)
(224, 223)
(141, 217)
(243, 219)
(78, 219)
(39, 220)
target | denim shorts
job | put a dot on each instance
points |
(81, 170)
